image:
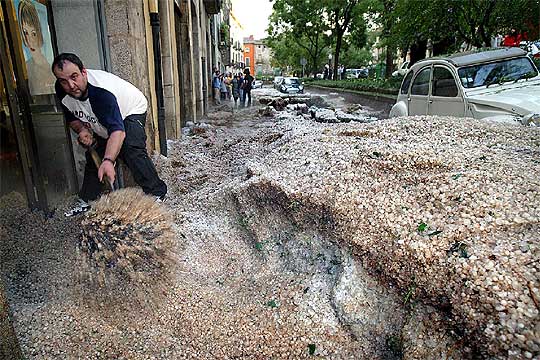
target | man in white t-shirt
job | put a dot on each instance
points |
(108, 113)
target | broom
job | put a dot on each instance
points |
(126, 235)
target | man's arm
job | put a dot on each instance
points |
(114, 144)
(106, 108)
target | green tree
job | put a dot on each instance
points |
(342, 15)
(298, 29)
(449, 23)
(354, 57)
(286, 51)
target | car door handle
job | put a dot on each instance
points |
(430, 101)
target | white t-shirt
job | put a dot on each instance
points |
(110, 100)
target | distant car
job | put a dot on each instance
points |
(257, 84)
(277, 80)
(498, 84)
(402, 70)
(532, 48)
(291, 85)
(356, 73)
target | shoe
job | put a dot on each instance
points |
(79, 208)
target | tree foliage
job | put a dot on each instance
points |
(355, 57)
(344, 16)
(449, 23)
(316, 27)
(298, 29)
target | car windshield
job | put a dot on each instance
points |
(292, 81)
(497, 72)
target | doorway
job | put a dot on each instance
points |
(11, 173)
(36, 149)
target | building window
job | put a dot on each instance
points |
(246, 50)
(248, 62)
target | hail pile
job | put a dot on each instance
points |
(448, 209)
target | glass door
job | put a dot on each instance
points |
(44, 135)
(11, 173)
(17, 174)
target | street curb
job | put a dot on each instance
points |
(376, 96)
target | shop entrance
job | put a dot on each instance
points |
(11, 174)
(36, 150)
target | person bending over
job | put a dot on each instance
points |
(109, 114)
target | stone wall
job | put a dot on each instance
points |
(169, 59)
(127, 32)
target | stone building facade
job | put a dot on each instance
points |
(257, 56)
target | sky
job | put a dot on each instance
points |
(253, 15)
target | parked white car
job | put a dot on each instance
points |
(498, 84)
(402, 70)
(257, 84)
(277, 81)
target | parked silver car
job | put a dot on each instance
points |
(498, 84)
(356, 73)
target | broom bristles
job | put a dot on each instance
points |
(127, 236)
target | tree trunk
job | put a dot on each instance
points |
(389, 62)
(443, 46)
(336, 55)
(418, 51)
(314, 65)
(389, 6)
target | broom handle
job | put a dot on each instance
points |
(97, 162)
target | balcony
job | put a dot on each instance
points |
(212, 6)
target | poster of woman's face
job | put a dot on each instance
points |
(37, 45)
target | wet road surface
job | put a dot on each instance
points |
(337, 98)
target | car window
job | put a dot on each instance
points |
(443, 83)
(292, 81)
(420, 85)
(406, 83)
(497, 72)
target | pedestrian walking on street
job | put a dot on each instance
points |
(247, 84)
(108, 114)
(241, 86)
(236, 89)
(222, 87)
(216, 86)
(228, 83)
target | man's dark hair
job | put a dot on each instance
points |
(63, 57)
(246, 71)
